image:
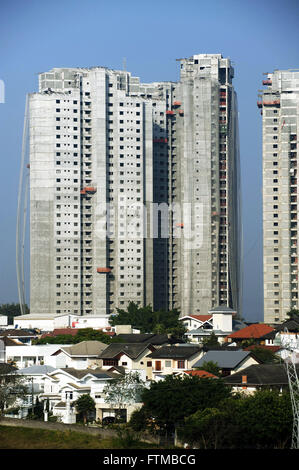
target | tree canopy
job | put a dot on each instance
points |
(83, 334)
(260, 420)
(84, 405)
(293, 314)
(12, 310)
(170, 400)
(149, 321)
(12, 386)
(125, 390)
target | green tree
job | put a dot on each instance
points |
(205, 428)
(83, 334)
(261, 420)
(265, 355)
(149, 321)
(210, 366)
(125, 390)
(12, 387)
(293, 314)
(37, 412)
(211, 340)
(12, 310)
(266, 419)
(170, 400)
(85, 405)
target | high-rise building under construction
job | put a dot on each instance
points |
(134, 190)
(279, 105)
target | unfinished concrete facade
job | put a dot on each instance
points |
(110, 158)
(206, 180)
(279, 104)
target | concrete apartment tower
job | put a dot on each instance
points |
(205, 178)
(116, 169)
(91, 171)
(279, 104)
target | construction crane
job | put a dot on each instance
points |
(290, 364)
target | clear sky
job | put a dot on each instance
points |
(37, 35)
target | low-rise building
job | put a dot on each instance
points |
(40, 354)
(130, 356)
(23, 336)
(259, 376)
(172, 359)
(83, 355)
(254, 332)
(220, 321)
(228, 362)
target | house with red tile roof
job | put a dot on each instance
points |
(256, 331)
(198, 373)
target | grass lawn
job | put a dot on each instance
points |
(28, 438)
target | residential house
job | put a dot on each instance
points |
(83, 355)
(155, 340)
(23, 336)
(228, 362)
(202, 374)
(254, 333)
(172, 359)
(130, 356)
(34, 376)
(192, 322)
(63, 387)
(260, 376)
(285, 335)
(220, 321)
(25, 356)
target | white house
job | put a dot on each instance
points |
(82, 355)
(129, 357)
(221, 321)
(50, 322)
(39, 354)
(229, 362)
(63, 385)
(172, 359)
(192, 322)
(34, 379)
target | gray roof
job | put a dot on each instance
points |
(133, 350)
(224, 359)
(85, 348)
(182, 351)
(80, 373)
(261, 374)
(32, 370)
(222, 309)
(151, 338)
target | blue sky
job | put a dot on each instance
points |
(36, 35)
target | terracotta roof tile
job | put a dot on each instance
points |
(202, 318)
(256, 330)
(274, 349)
(201, 373)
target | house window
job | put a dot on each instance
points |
(110, 362)
(181, 364)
